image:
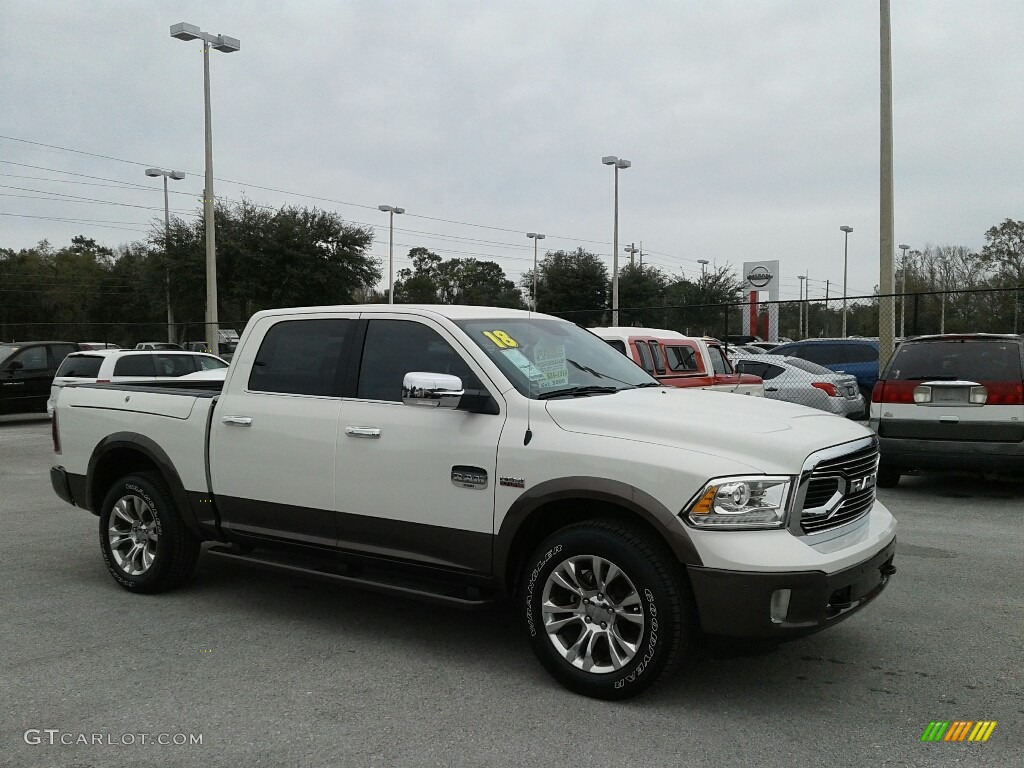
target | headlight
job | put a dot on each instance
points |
(741, 502)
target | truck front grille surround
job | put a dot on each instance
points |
(836, 487)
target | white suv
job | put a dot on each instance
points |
(105, 365)
(951, 402)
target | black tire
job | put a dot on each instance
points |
(171, 553)
(888, 477)
(662, 601)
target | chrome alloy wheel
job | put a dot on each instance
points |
(133, 533)
(593, 614)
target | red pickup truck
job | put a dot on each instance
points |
(681, 361)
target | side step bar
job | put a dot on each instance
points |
(432, 591)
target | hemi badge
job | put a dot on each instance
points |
(512, 482)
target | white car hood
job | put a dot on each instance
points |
(767, 435)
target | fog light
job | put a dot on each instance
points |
(780, 605)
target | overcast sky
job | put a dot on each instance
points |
(753, 126)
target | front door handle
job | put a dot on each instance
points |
(370, 432)
(771, 389)
(237, 421)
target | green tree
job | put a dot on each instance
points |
(708, 305)
(642, 295)
(455, 281)
(421, 283)
(573, 282)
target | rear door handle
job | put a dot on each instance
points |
(370, 432)
(237, 421)
(771, 389)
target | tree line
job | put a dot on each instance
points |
(297, 256)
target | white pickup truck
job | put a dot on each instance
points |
(470, 454)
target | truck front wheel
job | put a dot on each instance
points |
(605, 608)
(145, 545)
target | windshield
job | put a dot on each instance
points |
(6, 350)
(549, 358)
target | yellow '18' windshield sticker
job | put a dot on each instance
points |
(501, 339)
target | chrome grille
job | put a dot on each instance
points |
(822, 510)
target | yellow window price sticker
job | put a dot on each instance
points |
(501, 339)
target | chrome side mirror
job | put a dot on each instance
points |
(433, 390)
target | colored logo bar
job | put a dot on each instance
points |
(958, 730)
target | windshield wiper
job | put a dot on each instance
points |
(577, 392)
(649, 384)
(592, 372)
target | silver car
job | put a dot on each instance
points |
(801, 381)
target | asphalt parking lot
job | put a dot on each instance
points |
(277, 671)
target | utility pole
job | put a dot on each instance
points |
(886, 277)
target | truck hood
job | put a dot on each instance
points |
(766, 435)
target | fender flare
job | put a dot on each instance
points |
(148, 448)
(665, 522)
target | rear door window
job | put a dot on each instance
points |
(822, 354)
(207, 363)
(750, 368)
(81, 366)
(174, 365)
(135, 365)
(303, 357)
(858, 353)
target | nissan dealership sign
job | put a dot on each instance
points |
(759, 276)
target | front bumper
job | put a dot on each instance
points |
(739, 603)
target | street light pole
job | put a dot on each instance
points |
(535, 236)
(177, 176)
(846, 250)
(800, 307)
(903, 292)
(224, 44)
(619, 164)
(391, 210)
(703, 267)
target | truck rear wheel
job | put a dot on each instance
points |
(605, 608)
(145, 544)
